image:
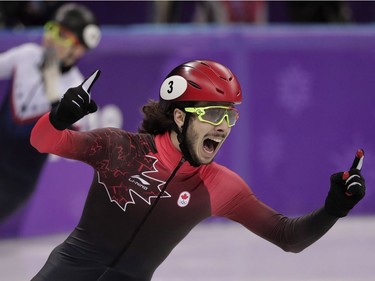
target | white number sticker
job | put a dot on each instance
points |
(173, 87)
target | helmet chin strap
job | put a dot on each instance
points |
(181, 137)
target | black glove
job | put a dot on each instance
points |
(75, 104)
(347, 188)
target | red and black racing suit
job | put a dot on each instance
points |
(113, 241)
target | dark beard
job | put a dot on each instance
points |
(189, 144)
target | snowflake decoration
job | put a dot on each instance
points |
(294, 89)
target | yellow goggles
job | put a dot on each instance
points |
(215, 115)
(60, 34)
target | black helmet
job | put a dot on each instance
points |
(81, 21)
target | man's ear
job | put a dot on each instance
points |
(179, 117)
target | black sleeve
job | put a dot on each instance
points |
(296, 234)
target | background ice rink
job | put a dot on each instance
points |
(218, 251)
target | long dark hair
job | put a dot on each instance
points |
(158, 118)
(155, 120)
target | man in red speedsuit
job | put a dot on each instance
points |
(152, 187)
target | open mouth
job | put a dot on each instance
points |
(210, 144)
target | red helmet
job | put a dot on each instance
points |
(201, 80)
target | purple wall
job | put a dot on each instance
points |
(308, 105)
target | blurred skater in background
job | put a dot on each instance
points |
(39, 73)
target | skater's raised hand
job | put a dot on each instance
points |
(347, 188)
(75, 104)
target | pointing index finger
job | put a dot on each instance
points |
(358, 160)
(87, 84)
